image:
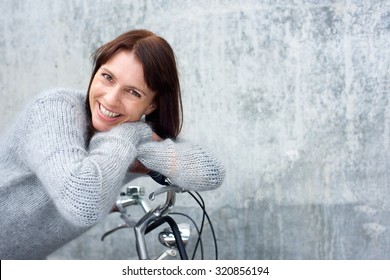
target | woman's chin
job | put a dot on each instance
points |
(99, 126)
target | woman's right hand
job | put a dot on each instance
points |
(155, 137)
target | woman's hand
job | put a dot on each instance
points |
(138, 167)
(155, 137)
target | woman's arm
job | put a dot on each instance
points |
(188, 166)
(83, 182)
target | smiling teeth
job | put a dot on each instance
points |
(107, 113)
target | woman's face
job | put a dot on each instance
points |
(119, 93)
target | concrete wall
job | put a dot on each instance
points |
(292, 95)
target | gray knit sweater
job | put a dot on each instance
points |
(54, 186)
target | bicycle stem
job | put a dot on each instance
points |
(149, 218)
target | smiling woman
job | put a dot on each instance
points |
(118, 92)
(61, 175)
(152, 59)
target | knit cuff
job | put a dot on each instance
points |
(135, 132)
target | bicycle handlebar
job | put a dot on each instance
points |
(159, 178)
(155, 216)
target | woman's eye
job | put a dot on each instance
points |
(107, 77)
(134, 93)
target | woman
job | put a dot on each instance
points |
(65, 160)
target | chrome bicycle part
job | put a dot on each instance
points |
(162, 190)
(166, 253)
(148, 219)
(135, 196)
(167, 238)
(175, 237)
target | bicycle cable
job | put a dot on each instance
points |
(205, 215)
(161, 179)
(197, 231)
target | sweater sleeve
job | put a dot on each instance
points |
(188, 166)
(83, 182)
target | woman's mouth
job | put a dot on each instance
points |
(107, 113)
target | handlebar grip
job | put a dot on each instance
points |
(159, 178)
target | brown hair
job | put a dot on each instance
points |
(161, 76)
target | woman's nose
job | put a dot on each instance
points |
(112, 96)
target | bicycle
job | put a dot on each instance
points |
(176, 236)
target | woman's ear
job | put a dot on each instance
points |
(151, 108)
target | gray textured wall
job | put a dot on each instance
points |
(292, 95)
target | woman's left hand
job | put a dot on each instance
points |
(138, 167)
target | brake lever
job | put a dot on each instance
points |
(166, 182)
(162, 190)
